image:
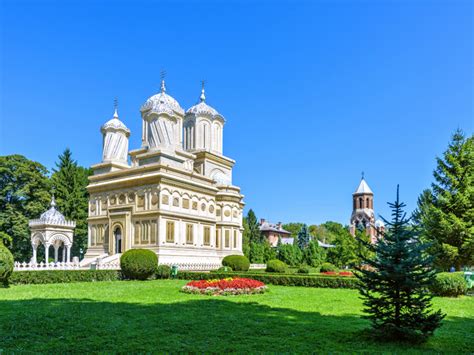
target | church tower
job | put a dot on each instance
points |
(114, 144)
(363, 210)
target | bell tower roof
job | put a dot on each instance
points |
(363, 188)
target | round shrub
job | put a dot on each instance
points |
(276, 266)
(451, 284)
(236, 262)
(325, 267)
(303, 269)
(224, 269)
(138, 264)
(163, 272)
(6, 264)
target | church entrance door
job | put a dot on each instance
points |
(118, 240)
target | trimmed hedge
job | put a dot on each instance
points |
(236, 262)
(328, 267)
(450, 284)
(276, 266)
(6, 264)
(303, 269)
(224, 269)
(274, 279)
(163, 272)
(63, 276)
(138, 264)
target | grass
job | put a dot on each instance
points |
(154, 316)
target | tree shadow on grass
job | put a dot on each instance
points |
(207, 325)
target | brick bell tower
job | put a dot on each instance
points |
(363, 210)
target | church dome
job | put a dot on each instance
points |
(115, 124)
(203, 109)
(162, 103)
(52, 216)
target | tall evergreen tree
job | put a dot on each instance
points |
(445, 213)
(254, 227)
(70, 182)
(246, 238)
(303, 237)
(24, 195)
(395, 291)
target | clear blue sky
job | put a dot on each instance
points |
(313, 92)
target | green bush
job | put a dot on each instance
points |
(6, 264)
(276, 266)
(138, 264)
(224, 269)
(282, 280)
(451, 284)
(303, 269)
(236, 262)
(163, 272)
(325, 267)
(63, 276)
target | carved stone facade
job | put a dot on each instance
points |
(175, 198)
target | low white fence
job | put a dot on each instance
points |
(258, 266)
(24, 266)
(194, 266)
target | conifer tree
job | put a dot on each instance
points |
(445, 213)
(70, 182)
(254, 228)
(303, 237)
(395, 290)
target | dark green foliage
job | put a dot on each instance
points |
(328, 267)
(224, 269)
(303, 237)
(63, 276)
(246, 238)
(236, 262)
(138, 264)
(313, 254)
(254, 228)
(293, 228)
(70, 181)
(6, 264)
(445, 213)
(278, 279)
(163, 272)
(451, 284)
(24, 195)
(276, 265)
(303, 269)
(396, 294)
(257, 253)
(345, 251)
(289, 254)
(269, 252)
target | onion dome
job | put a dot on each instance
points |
(162, 103)
(203, 109)
(115, 124)
(52, 216)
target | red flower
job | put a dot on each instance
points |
(237, 283)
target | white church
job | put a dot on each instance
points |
(173, 195)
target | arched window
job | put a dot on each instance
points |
(368, 203)
(360, 202)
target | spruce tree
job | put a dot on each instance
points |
(395, 290)
(445, 213)
(303, 237)
(70, 182)
(254, 228)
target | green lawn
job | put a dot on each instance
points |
(155, 316)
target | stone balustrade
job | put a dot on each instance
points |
(24, 266)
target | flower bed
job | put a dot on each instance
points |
(342, 273)
(227, 286)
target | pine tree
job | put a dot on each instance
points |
(445, 213)
(70, 182)
(254, 228)
(303, 237)
(395, 291)
(246, 238)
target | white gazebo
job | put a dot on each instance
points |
(52, 229)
